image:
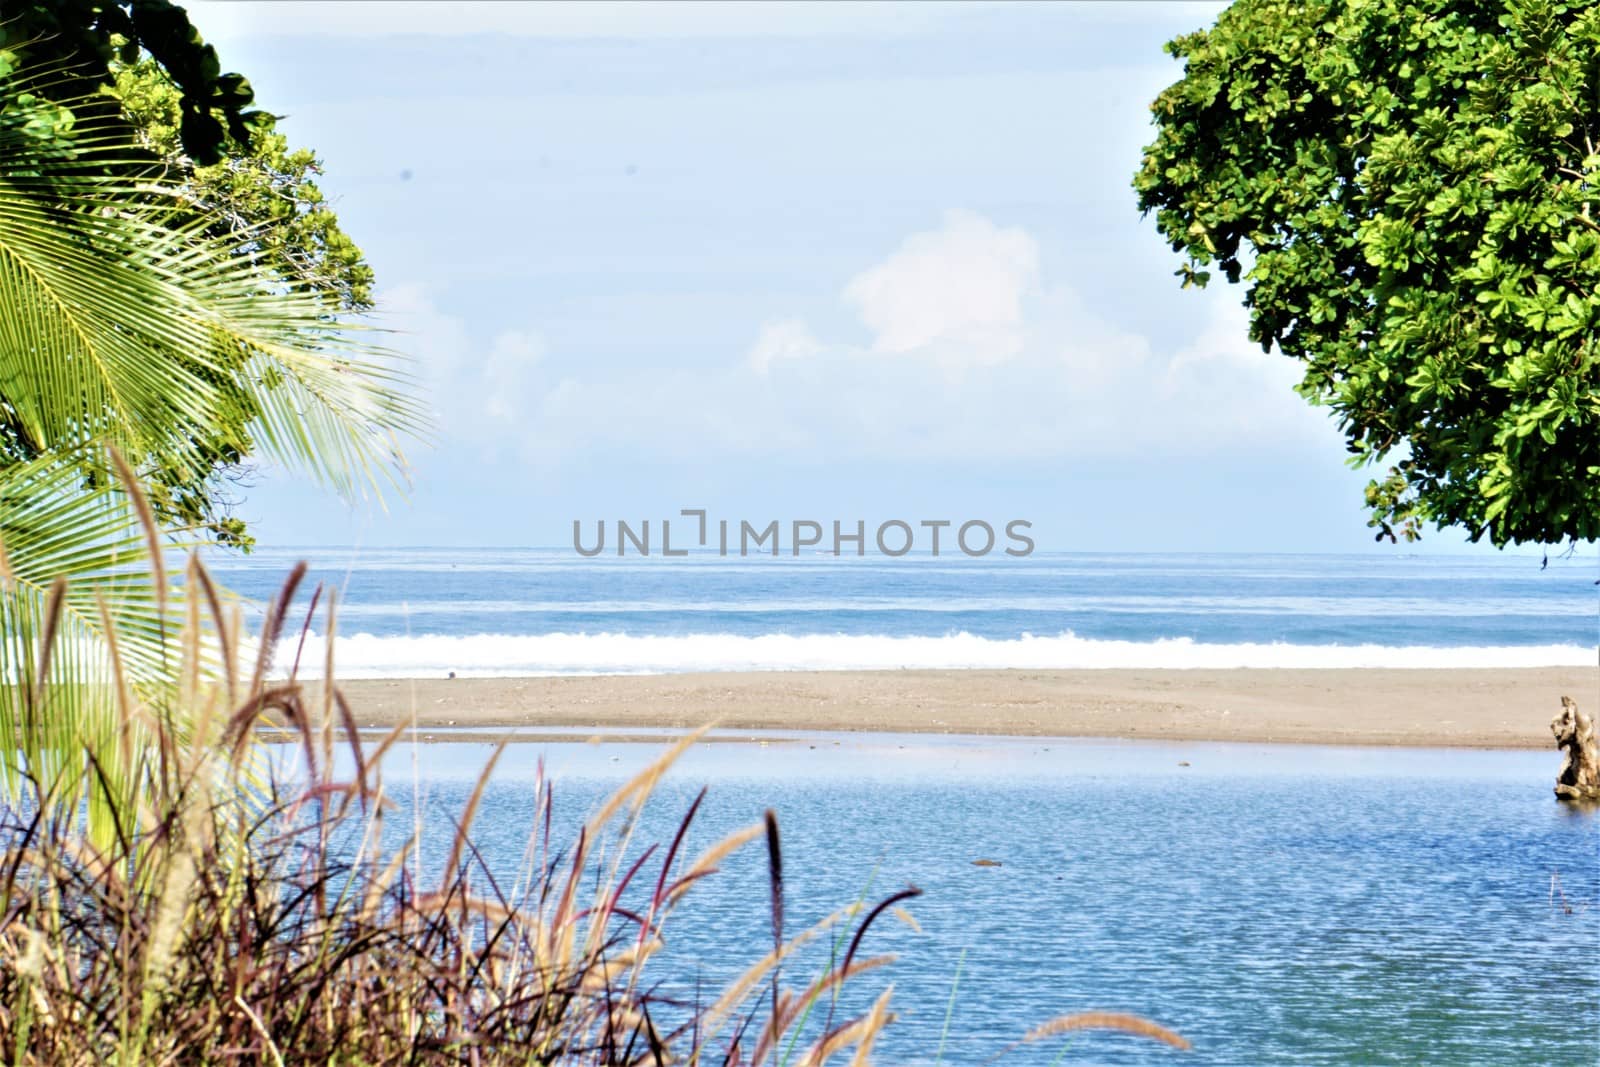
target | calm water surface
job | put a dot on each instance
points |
(1275, 904)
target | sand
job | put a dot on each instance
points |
(1489, 708)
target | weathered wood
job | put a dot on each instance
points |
(1579, 778)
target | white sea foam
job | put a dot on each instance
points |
(369, 656)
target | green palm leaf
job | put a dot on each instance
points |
(123, 320)
(87, 633)
(127, 321)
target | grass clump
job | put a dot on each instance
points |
(243, 915)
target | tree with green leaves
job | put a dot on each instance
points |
(265, 194)
(1407, 189)
(90, 39)
(260, 188)
(138, 324)
(229, 162)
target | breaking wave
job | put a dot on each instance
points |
(368, 656)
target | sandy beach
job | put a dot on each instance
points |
(1490, 708)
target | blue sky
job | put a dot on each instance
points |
(785, 261)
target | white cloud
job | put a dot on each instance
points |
(955, 293)
(508, 373)
(479, 393)
(785, 339)
(970, 353)
(975, 353)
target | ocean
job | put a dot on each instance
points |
(1274, 904)
(545, 611)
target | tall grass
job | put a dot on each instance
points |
(250, 915)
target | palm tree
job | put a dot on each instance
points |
(132, 326)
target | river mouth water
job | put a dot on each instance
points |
(1272, 903)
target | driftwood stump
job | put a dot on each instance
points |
(1580, 756)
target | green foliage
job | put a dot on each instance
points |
(139, 317)
(230, 164)
(109, 632)
(261, 189)
(264, 194)
(87, 36)
(1408, 190)
(129, 321)
(142, 62)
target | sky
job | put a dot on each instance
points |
(791, 261)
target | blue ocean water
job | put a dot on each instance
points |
(535, 611)
(1274, 904)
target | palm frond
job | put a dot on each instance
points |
(88, 635)
(124, 318)
(128, 320)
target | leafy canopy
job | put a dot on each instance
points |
(134, 320)
(1407, 188)
(261, 187)
(90, 36)
(264, 193)
(141, 62)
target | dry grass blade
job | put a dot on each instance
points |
(795, 1008)
(125, 701)
(272, 627)
(741, 988)
(8, 577)
(147, 519)
(1106, 1020)
(642, 784)
(47, 638)
(886, 904)
(230, 669)
(347, 720)
(775, 891)
(708, 861)
(464, 827)
(878, 1018)
(859, 1033)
